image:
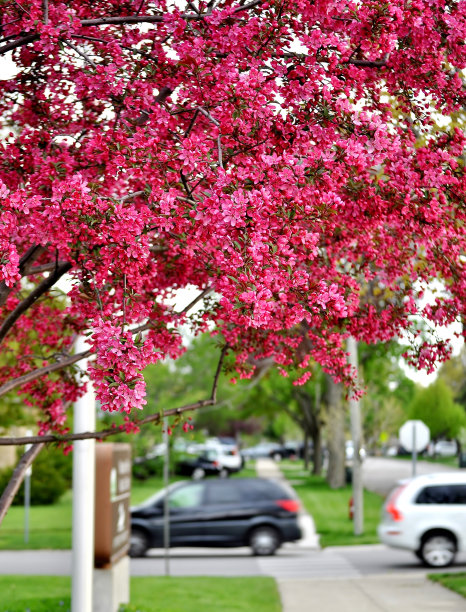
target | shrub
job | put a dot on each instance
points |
(51, 477)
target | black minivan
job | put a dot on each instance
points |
(255, 512)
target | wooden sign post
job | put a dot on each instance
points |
(112, 526)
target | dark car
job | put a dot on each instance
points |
(206, 464)
(254, 512)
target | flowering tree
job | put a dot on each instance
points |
(261, 152)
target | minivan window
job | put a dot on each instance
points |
(223, 492)
(186, 497)
(442, 494)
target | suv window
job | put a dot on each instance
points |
(223, 492)
(442, 494)
(186, 497)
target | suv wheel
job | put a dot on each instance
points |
(438, 550)
(138, 543)
(224, 473)
(264, 541)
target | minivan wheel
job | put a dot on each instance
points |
(264, 541)
(198, 474)
(138, 544)
(438, 550)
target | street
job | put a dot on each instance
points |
(290, 562)
(380, 474)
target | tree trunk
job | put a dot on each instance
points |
(317, 445)
(335, 434)
(306, 451)
(17, 478)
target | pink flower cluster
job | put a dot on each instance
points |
(116, 373)
(302, 160)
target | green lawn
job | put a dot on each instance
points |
(455, 582)
(52, 594)
(447, 461)
(50, 526)
(329, 508)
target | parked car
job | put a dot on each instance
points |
(427, 515)
(263, 449)
(206, 464)
(291, 449)
(254, 512)
(445, 448)
(228, 455)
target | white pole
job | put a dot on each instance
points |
(355, 418)
(27, 493)
(83, 499)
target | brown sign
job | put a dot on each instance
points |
(112, 493)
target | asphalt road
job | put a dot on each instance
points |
(380, 474)
(290, 562)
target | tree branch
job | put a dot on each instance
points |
(42, 268)
(26, 260)
(128, 19)
(18, 475)
(107, 42)
(20, 42)
(136, 19)
(111, 431)
(53, 367)
(45, 11)
(42, 288)
(367, 63)
(72, 359)
(84, 55)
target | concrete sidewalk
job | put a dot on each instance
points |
(381, 593)
(268, 468)
(387, 593)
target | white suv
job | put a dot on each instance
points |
(427, 515)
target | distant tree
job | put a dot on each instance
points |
(184, 381)
(453, 373)
(388, 390)
(435, 406)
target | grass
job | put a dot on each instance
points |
(454, 582)
(52, 594)
(447, 461)
(329, 508)
(50, 526)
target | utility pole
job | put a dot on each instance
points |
(166, 507)
(355, 418)
(83, 499)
